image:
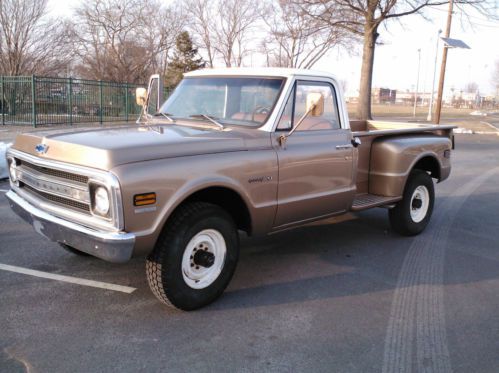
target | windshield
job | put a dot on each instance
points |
(230, 100)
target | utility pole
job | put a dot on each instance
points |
(443, 65)
(430, 107)
(417, 84)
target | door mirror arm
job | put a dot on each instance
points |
(315, 106)
(283, 138)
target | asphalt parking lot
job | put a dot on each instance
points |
(346, 297)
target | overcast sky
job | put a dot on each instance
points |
(396, 60)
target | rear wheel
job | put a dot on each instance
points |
(195, 256)
(411, 215)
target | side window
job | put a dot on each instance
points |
(287, 114)
(329, 119)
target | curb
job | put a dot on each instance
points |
(465, 131)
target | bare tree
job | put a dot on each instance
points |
(471, 87)
(222, 28)
(297, 40)
(203, 25)
(161, 27)
(363, 18)
(236, 21)
(124, 39)
(30, 42)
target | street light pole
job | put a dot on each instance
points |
(438, 109)
(430, 108)
(417, 85)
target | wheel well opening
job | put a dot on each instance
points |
(429, 164)
(227, 199)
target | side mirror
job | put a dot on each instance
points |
(141, 96)
(150, 99)
(315, 104)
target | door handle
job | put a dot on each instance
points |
(356, 142)
(346, 146)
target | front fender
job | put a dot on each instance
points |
(174, 180)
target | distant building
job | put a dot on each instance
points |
(451, 98)
(383, 96)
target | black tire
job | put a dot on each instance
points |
(401, 219)
(164, 265)
(72, 250)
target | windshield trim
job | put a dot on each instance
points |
(228, 122)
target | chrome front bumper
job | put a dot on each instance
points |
(111, 246)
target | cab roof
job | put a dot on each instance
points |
(259, 71)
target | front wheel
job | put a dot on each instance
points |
(195, 256)
(411, 215)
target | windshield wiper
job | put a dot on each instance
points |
(166, 115)
(210, 118)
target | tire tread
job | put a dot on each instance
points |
(155, 270)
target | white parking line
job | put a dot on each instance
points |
(72, 280)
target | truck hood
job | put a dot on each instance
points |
(105, 148)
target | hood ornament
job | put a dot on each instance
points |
(41, 148)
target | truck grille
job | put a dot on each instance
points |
(59, 187)
(59, 200)
(52, 172)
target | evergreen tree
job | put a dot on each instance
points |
(185, 59)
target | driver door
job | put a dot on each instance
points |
(316, 164)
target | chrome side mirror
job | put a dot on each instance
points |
(315, 104)
(141, 96)
(150, 99)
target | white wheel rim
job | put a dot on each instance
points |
(196, 275)
(420, 201)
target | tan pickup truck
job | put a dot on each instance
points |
(253, 150)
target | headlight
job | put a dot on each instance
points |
(101, 201)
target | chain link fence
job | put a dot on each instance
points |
(39, 101)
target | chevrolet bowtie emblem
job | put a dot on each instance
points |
(41, 148)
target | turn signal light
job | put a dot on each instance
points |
(144, 199)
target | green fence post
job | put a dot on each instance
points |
(126, 101)
(70, 103)
(3, 100)
(100, 102)
(33, 100)
(13, 93)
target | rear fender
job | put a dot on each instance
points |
(392, 160)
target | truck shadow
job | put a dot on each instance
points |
(356, 257)
(313, 263)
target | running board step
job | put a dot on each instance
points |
(366, 201)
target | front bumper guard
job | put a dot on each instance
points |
(113, 247)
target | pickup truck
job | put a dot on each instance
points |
(252, 150)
